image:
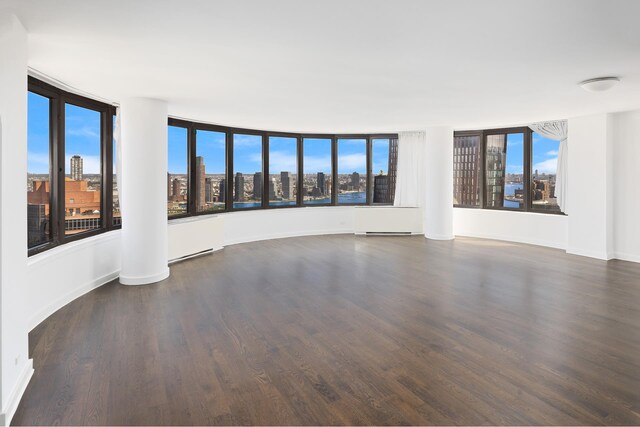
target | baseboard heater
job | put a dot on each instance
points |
(388, 233)
(196, 236)
(387, 221)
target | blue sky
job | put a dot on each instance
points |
(544, 156)
(352, 156)
(317, 155)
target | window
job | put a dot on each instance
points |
(38, 170)
(116, 198)
(83, 176)
(384, 158)
(466, 170)
(283, 171)
(544, 163)
(177, 178)
(248, 181)
(504, 170)
(508, 169)
(210, 170)
(317, 174)
(352, 171)
(70, 167)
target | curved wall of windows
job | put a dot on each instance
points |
(223, 169)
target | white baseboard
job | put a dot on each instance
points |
(626, 256)
(440, 236)
(16, 394)
(63, 300)
(285, 235)
(536, 242)
(604, 256)
(144, 280)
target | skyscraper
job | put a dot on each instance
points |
(200, 183)
(495, 169)
(287, 185)
(222, 190)
(273, 185)
(208, 190)
(239, 188)
(176, 190)
(392, 168)
(321, 183)
(76, 168)
(355, 181)
(466, 170)
(257, 185)
(381, 189)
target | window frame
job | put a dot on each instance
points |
(370, 172)
(193, 127)
(527, 205)
(58, 100)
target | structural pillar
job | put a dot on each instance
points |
(438, 208)
(15, 366)
(143, 191)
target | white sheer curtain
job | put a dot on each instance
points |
(118, 141)
(557, 130)
(410, 187)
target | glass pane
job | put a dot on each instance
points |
(247, 166)
(283, 166)
(38, 170)
(544, 163)
(116, 199)
(466, 170)
(504, 169)
(210, 170)
(384, 153)
(352, 171)
(82, 202)
(177, 179)
(317, 171)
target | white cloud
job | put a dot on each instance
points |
(547, 166)
(552, 153)
(314, 164)
(351, 162)
(282, 161)
(246, 140)
(90, 164)
(38, 162)
(84, 132)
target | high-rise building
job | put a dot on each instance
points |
(466, 170)
(381, 189)
(238, 195)
(222, 190)
(200, 183)
(76, 168)
(355, 181)
(496, 162)
(287, 185)
(169, 194)
(392, 168)
(208, 190)
(273, 189)
(322, 183)
(176, 190)
(257, 185)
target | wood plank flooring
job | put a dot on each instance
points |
(352, 330)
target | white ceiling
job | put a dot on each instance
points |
(343, 65)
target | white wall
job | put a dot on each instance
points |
(626, 196)
(590, 187)
(524, 227)
(15, 365)
(438, 207)
(60, 275)
(240, 227)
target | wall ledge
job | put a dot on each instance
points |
(68, 248)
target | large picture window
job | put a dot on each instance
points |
(283, 171)
(352, 171)
(317, 174)
(384, 158)
(70, 191)
(177, 176)
(508, 169)
(248, 181)
(211, 169)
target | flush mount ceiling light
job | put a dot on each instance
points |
(599, 84)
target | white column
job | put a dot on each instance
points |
(590, 218)
(438, 207)
(143, 194)
(15, 367)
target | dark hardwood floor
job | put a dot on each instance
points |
(349, 330)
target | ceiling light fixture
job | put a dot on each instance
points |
(599, 84)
